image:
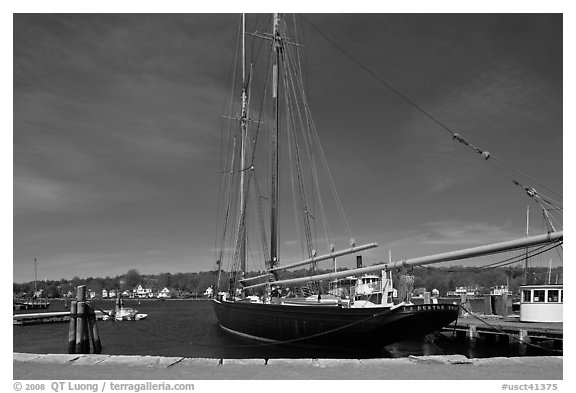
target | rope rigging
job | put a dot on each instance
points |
(509, 261)
(530, 191)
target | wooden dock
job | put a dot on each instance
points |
(30, 304)
(509, 329)
(46, 317)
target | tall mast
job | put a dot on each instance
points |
(244, 134)
(526, 255)
(274, 188)
(35, 276)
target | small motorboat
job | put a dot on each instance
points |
(123, 314)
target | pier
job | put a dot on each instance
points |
(46, 317)
(509, 329)
(30, 304)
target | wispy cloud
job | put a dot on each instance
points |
(454, 233)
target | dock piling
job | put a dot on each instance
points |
(72, 328)
(524, 337)
(472, 335)
(93, 330)
(82, 343)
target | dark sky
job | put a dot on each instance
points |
(117, 124)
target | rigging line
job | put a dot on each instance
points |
(519, 258)
(304, 89)
(530, 191)
(293, 187)
(256, 54)
(231, 182)
(528, 177)
(388, 85)
(326, 168)
(260, 212)
(454, 135)
(221, 189)
(516, 258)
(262, 101)
(309, 146)
(533, 193)
(555, 221)
(288, 75)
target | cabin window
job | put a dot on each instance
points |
(539, 296)
(526, 296)
(561, 296)
(552, 296)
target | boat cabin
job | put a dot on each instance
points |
(541, 303)
(342, 287)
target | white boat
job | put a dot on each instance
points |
(368, 290)
(123, 314)
(542, 303)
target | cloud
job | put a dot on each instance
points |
(454, 233)
(32, 193)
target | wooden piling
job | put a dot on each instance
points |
(472, 335)
(93, 330)
(426, 297)
(464, 305)
(72, 328)
(523, 336)
(82, 343)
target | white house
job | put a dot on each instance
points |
(463, 291)
(164, 294)
(104, 294)
(142, 292)
(209, 292)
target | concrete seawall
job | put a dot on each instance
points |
(450, 367)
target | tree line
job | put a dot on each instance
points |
(194, 284)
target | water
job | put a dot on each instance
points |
(189, 329)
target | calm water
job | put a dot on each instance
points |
(189, 328)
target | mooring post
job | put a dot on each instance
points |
(81, 328)
(72, 328)
(472, 335)
(464, 305)
(523, 342)
(524, 337)
(93, 330)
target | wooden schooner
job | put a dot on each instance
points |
(265, 307)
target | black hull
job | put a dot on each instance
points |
(330, 325)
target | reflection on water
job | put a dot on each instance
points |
(189, 328)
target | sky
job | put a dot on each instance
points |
(116, 133)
